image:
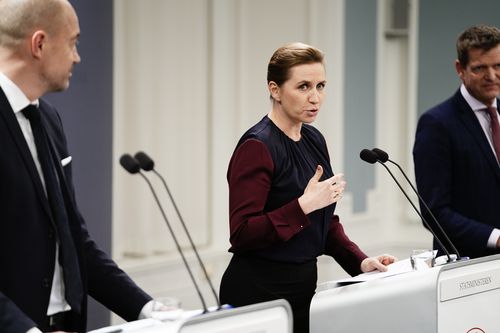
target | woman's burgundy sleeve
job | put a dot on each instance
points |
(250, 176)
(342, 249)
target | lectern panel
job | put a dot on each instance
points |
(470, 298)
(270, 317)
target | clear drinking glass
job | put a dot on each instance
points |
(422, 259)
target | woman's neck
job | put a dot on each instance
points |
(291, 129)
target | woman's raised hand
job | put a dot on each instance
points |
(319, 194)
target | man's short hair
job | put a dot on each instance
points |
(482, 37)
(20, 18)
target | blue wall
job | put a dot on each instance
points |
(87, 113)
(440, 23)
(360, 96)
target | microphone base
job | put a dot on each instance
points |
(443, 260)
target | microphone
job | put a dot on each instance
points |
(131, 164)
(384, 157)
(372, 157)
(147, 164)
(368, 156)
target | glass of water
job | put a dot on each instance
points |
(422, 259)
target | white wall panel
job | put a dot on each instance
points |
(161, 106)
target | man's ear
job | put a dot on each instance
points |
(38, 43)
(274, 91)
(460, 69)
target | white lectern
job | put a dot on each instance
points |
(460, 297)
(267, 317)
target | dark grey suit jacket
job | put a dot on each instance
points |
(27, 242)
(457, 175)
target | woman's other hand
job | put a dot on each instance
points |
(377, 263)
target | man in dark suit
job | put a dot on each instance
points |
(457, 149)
(48, 261)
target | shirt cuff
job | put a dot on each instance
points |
(34, 330)
(492, 241)
(146, 310)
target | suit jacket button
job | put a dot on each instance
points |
(51, 234)
(45, 283)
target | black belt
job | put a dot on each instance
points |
(58, 321)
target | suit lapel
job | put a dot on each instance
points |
(470, 122)
(8, 116)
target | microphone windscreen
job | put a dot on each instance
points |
(382, 155)
(129, 163)
(146, 163)
(368, 156)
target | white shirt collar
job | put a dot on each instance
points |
(17, 99)
(472, 101)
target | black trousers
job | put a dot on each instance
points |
(250, 280)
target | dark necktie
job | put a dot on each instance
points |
(67, 253)
(495, 129)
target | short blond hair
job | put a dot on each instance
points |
(291, 55)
